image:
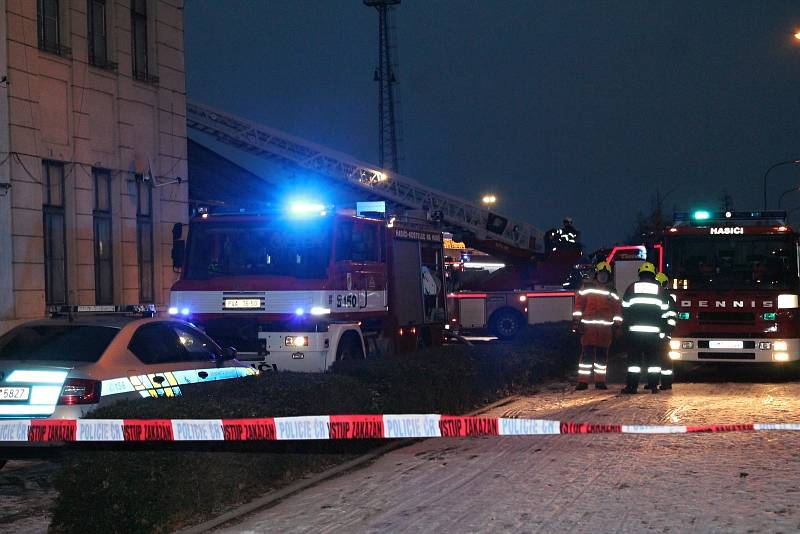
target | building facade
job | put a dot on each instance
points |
(92, 152)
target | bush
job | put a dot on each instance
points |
(161, 487)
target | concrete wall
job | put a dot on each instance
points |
(61, 108)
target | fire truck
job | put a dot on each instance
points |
(734, 277)
(524, 290)
(303, 288)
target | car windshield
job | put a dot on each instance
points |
(72, 343)
(728, 262)
(300, 249)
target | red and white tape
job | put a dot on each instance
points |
(328, 427)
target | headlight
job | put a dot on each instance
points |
(172, 310)
(674, 344)
(780, 346)
(674, 355)
(687, 344)
(787, 302)
(296, 341)
(781, 356)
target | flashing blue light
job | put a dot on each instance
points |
(307, 208)
(702, 215)
(172, 310)
(299, 311)
(185, 311)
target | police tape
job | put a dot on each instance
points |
(328, 427)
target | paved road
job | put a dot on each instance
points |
(26, 496)
(744, 482)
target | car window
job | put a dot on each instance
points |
(156, 343)
(73, 343)
(171, 342)
(197, 346)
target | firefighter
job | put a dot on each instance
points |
(643, 305)
(596, 312)
(669, 317)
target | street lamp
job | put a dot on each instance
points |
(787, 162)
(489, 199)
(780, 198)
(797, 35)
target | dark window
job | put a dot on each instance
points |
(98, 33)
(55, 241)
(103, 254)
(71, 343)
(48, 21)
(156, 343)
(357, 241)
(172, 343)
(144, 240)
(141, 70)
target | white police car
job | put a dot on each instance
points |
(75, 362)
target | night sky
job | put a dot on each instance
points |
(560, 108)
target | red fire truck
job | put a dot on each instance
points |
(734, 276)
(303, 288)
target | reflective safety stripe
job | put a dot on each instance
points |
(634, 369)
(603, 292)
(617, 319)
(584, 372)
(600, 366)
(577, 313)
(614, 296)
(666, 372)
(671, 322)
(650, 301)
(654, 369)
(645, 287)
(644, 328)
(596, 321)
(600, 371)
(661, 335)
(585, 365)
(671, 313)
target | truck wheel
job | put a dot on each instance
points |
(505, 323)
(349, 348)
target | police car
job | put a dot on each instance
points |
(85, 357)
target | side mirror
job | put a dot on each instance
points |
(178, 252)
(229, 353)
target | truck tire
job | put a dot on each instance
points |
(349, 348)
(506, 323)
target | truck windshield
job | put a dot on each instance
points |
(259, 248)
(733, 262)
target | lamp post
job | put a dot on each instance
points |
(787, 162)
(780, 198)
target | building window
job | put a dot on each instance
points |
(49, 23)
(55, 240)
(144, 239)
(103, 253)
(141, 69)
(98, 34)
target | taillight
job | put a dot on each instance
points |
(80, 391)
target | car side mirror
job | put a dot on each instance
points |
(229, 353)
(178, 252)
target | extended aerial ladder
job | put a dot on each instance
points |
(479, 227)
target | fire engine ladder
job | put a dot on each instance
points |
(269, 143)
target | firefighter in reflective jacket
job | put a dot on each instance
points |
(643, 306)
(596, 311)
(669, 317)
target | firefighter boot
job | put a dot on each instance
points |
(652, 381)
(666, 379)
(632, 380)
(600, 385)
(581, 386)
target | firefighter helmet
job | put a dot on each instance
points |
(647, 267)
(603, 266)
(662, 279)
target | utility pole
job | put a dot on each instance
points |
(385, 76)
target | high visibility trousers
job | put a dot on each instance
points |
(666, 367)
(594, 360)
(644, 355)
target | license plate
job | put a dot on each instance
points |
(726, 344)
(248, 304)
(14, 394)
